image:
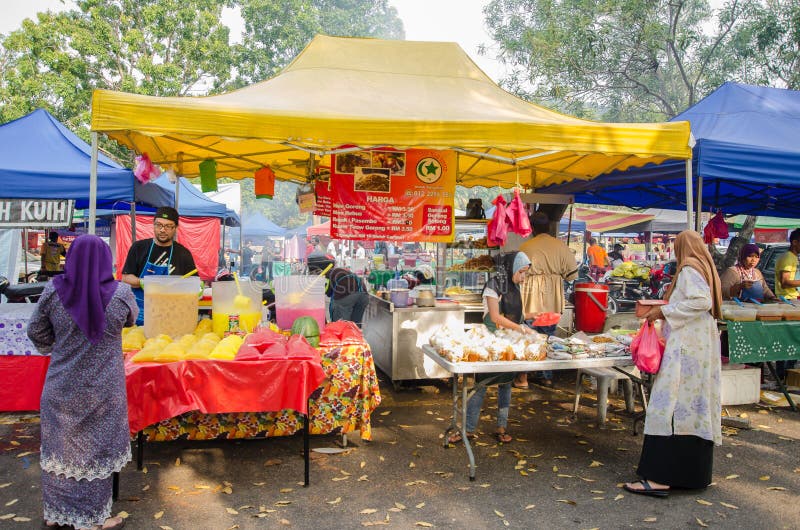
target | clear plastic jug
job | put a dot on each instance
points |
(299, 296)
(170, 305)
(234, 313)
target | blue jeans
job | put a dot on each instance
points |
(476, 402)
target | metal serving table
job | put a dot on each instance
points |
(396, 335)
(466, 368)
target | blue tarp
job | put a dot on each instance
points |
(41, 159)
(747, 153)
(255, 225)
(161, 192)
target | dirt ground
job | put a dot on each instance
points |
(559, 472)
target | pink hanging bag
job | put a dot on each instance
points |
(647, 348)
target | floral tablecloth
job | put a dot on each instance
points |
(343, 403)
(14, 329)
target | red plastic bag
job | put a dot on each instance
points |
(497, 229)
(647, 348)
(547, 319)
(519, 223)
(716, 228)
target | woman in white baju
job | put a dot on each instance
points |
(683, 416)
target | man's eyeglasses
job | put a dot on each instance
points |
(165, 226)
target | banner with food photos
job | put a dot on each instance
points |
(387, 194)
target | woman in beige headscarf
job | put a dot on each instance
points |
(683, 416)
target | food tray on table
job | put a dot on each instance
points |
(523, 366)
(466, 298)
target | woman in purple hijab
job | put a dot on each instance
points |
(84, 412)
(744, 281)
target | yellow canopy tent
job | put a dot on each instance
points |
(371, 93)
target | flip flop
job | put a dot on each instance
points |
(521, 387)
(455, 437)
(503, 437)
(647, 489)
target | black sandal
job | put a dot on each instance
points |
(647, 489)
(503, 437)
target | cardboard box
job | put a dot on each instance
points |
(793, 377)
(741, 385)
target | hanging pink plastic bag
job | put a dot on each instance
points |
(519, 223)
(497, 229)
(716, 228)
(647, 348)
(145, 170)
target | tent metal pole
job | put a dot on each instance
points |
(689, 202)
(699, 209)
(223, 242)
(133, 221)
(569, 224)
(25, 251)
(93, 186)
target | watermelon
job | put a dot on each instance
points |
(307, 327)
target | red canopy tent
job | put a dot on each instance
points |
(323, 229)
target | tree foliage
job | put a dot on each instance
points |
(277, 30)
(767, 45)
(621, 60)
(155, 47)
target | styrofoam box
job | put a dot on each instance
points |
(741, 385)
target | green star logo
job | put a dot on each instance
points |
(429, 170)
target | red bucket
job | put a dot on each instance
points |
(591, 304)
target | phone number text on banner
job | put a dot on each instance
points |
(386, 194)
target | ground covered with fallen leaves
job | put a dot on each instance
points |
(558, 473)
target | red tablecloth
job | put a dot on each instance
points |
(22, 379)
(160, 391)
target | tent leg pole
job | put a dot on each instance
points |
(689, 200)
(699, 208)
(93, 185)
(133, 221)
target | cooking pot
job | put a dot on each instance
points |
(399, 297)
(425, 298)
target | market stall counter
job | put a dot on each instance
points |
(396, 335)
(481, 352)
(767, 342)
(267, 406)
(22, 368)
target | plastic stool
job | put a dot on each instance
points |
(604, 378)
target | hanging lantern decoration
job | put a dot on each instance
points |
(265, 183)
(208, 175)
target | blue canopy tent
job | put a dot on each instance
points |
(41, 159)
(161, 192)
(746, 159)
(255, 225)
(298, 230)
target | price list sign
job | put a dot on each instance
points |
(385, 194)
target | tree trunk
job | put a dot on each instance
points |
(723, 261)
